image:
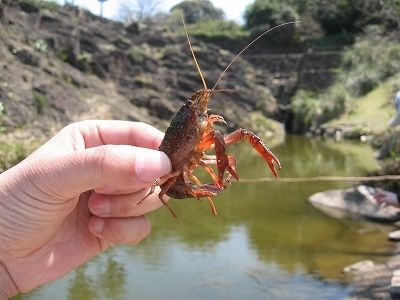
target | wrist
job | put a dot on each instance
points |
(7, 284)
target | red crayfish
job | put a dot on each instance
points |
(190, 134)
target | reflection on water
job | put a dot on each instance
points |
(266, 243)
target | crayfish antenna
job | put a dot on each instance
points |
(194, 56)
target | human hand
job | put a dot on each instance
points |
(386, 198)
(74, 197)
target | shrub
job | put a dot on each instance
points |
(265, 14)
(311, 110)
(368, 63)
(335, 16)
(218, 29)
(40, 46)
(137, 56)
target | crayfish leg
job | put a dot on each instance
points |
(232, 167)
(210, 202)
(164, 190)
(207, 190)
(212, 206)
(153, 187)
(212, 174)
(257, 144)
(224, 162)
(157, 182)
(169, 180)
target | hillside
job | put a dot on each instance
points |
(63, 64)
(369, 114)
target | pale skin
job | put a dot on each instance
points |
(75, 197)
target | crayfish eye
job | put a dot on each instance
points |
(189, 102)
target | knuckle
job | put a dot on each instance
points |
(144, 229)
(99, 158)
(130, 231)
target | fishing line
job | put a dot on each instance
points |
(320, 178)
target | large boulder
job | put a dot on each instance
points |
(351, 203)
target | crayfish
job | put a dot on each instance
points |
(190, 134)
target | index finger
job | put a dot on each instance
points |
(104, 132)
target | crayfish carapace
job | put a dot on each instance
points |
(190, 134)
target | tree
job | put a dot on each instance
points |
(198, 10)
(336, 16)
(138, 10)
(264, 14)
(269, 13)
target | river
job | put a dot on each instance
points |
(266, 243)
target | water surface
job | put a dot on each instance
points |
(266, 243)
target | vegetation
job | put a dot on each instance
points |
(195, 11)
(42, 4)
(360, 73)
(263, 14)
(41, 46)
(218, 29)
(368, 63)
(40, 101)
(15, 151)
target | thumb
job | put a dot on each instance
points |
(107, 167)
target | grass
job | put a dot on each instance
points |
(367, 65)
(374, 109)
(42, 4)
(15, 150)
(218, 29)
(40, 101)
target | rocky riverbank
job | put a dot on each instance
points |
(371, 279)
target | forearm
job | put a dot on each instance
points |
(7, 285)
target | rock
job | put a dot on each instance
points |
(29, 8)
(26, 56)
(360, 266)
(132, 28)
(395, 285)
(350, 203)
(122, 42)
(80, 57)
(394, 236)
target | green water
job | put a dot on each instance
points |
(266, 243)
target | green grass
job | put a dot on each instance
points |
(13, 150)
(367, 65)
(218, 29)
(42, 4)
(374, 109)
(40, 101)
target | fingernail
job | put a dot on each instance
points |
(152, 164)
(102, 208)
(96, 225)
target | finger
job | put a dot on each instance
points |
(107, 132)
(92, 133)
(120, 230)
(124, 205)
(109, 167)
